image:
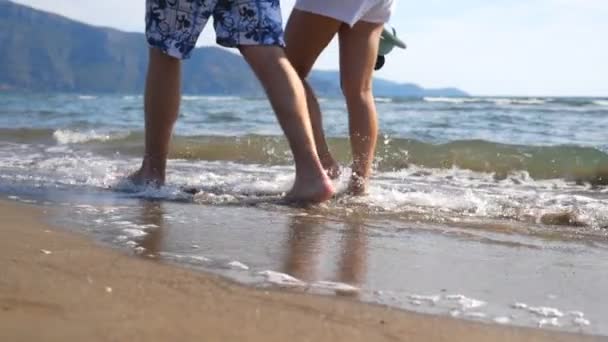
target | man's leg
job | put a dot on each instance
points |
(161, 106)
(288, 99)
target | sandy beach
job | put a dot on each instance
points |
(58, 286)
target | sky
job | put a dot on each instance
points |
(498, 47)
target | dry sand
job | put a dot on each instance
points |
(59, 286)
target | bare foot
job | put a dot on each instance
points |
(331, 166)
(357, 185)
(147, 176)
(311, 190)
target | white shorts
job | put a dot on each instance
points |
(349, 11)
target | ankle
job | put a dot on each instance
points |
(154, 166)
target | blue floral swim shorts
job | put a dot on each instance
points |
(174, 25)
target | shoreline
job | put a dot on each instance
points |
(57, 285)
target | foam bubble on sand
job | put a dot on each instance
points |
(466, 303)
(193, 259)
(198, 258)
(455, 313)
(578, 314)
(553, 322)
(335, 286)
(281, 279)
(478, 315)
(502, 320)
(520, 306)
(123, 223)
(134, 232)
(421, 298)
(545, 311)
(237, 265)
(578, 318)
(581, 321)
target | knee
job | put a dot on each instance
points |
(356, 92)
(262, 56)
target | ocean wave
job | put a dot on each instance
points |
(520, 101)
(209, 98)
(513, 101)
(64, 136)
(87, 97)
(574, 163)
(603, 103)
(450, 99)
(455, 196)
(497, 101)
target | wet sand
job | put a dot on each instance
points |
(58, 286)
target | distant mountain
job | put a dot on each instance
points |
(328, 83)
(41, 51)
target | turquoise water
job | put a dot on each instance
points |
(491, 209)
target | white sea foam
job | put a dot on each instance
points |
(65, 136)
(425, 298)
(466, 303)
(522, 306)
(424, 193)
(281, 279)
(134, 232)
(58, 149)
(577, 314)
(87, 97)
(192, 259)
(237, 265)
(601, 103)
(552, 322)
(449, 99)
(581, 321)
(131, 243)
(335, 286)
(545, 311)
(192, 98)
(502, 320)
(477, 315)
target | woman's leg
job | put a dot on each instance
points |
(306, 35)
(358, 52)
